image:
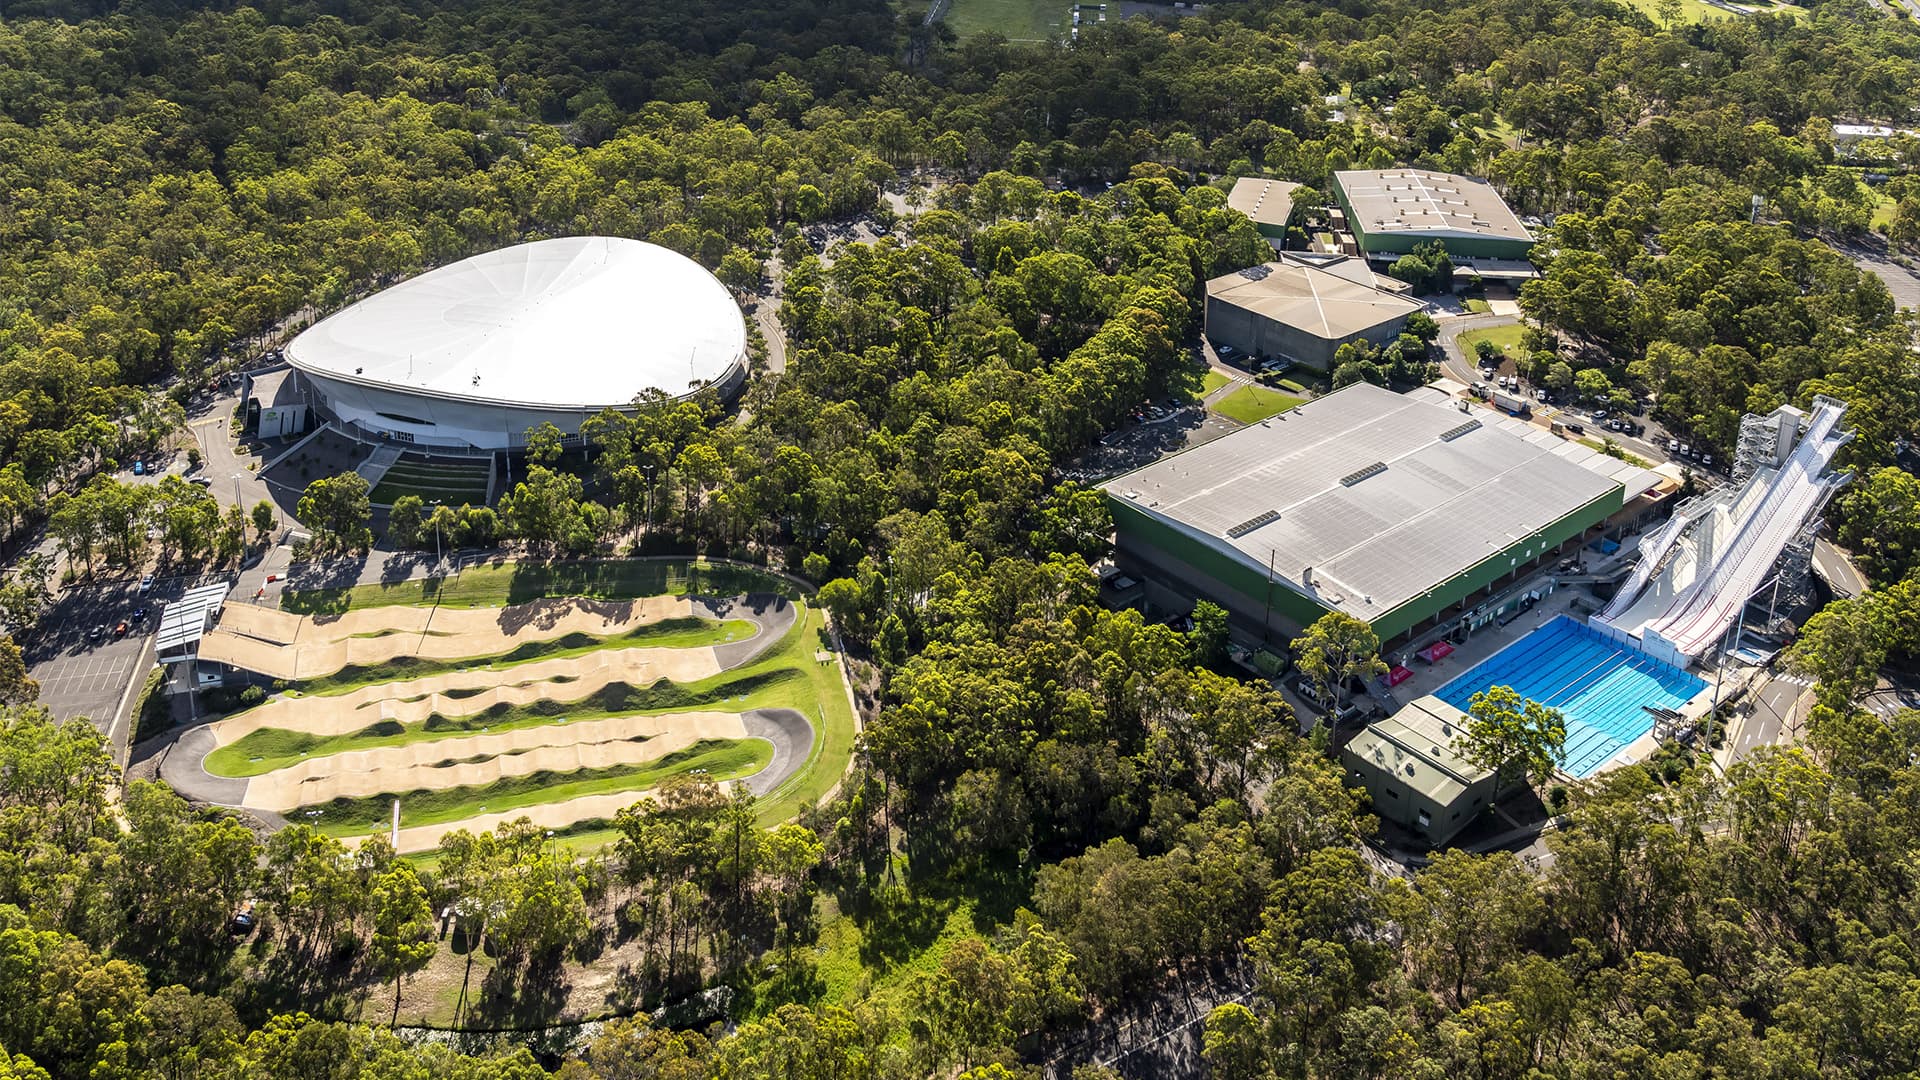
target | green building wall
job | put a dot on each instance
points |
(1196, 567)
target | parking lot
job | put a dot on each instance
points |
(95, 679)
(1144, 443)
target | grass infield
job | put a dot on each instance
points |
(1253, 403)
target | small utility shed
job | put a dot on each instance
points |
(1407, 763)
(1268, 202)
(1300, 311)
(275, 405)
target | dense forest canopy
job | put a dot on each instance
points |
(1106, 814)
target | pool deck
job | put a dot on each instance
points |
(1574, 600)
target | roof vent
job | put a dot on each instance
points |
(1358, 475)
(1453, 433)
(1253, 523)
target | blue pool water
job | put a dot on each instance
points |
(1602, 687)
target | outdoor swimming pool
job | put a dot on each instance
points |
(1602, 687)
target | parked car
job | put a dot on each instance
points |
(98, 633)
(201, 481)
(242, 922)
(139, 616)
(120, 628)
(146, 584)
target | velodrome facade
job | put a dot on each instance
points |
(468, 357)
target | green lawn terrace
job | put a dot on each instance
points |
(451, 481)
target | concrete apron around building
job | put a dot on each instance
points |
(1471, 649)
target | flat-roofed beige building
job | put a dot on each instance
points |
(1303, 311)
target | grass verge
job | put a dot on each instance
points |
(152, 712)
(1504, 338)
(520, 583)
(1623, 454)
(1211, 381)
(1253, 403)
(723, 759)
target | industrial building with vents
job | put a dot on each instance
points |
(1398, 509)
(1267, 203)
(1302, 308)
(1388, 211)
(468, 357)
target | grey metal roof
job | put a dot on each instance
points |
(275, 387)
(185, 620)
(1267, 202)
(1416, 746)
(1425, 202)
(1437, 507)
(1320, 302)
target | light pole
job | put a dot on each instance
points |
(436, 533)
(650, 469)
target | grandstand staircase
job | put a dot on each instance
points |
(374, 469)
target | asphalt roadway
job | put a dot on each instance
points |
(1777, 710)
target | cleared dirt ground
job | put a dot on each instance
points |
(283, 645)
(564, 679)
(594, 744)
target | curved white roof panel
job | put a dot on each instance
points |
(581, 322)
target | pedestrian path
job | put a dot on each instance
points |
(374, 469)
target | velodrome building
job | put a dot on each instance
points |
(467, 357)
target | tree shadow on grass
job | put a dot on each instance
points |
(289, 979)
(792, 978)
(896, 925)
(521, 994)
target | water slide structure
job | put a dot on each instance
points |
(1698, 571)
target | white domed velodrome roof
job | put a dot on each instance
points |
(577, 322)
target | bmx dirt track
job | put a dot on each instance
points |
(283, 645)
(484, 757)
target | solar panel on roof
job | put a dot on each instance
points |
(1355, 477)
(1252, 523)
